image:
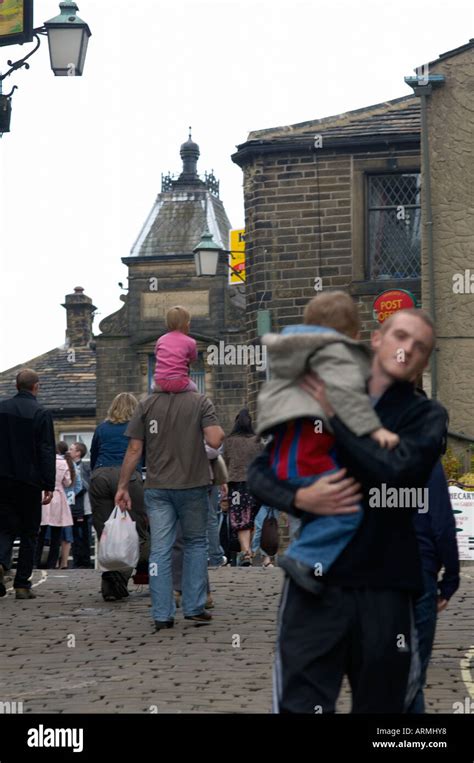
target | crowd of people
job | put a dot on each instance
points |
(362, 588)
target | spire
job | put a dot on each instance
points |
(189, 154)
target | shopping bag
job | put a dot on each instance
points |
(219, 471)
(269, 540)
(118, 545)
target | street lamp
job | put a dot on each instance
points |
(206, 257)
(68, 37)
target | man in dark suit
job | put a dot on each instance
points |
(27, 467)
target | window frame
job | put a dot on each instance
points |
(193, 374)
(77, 435)
(363, 165)
(367, 263)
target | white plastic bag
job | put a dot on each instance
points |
(119, 545)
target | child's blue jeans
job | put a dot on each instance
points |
(321, 539)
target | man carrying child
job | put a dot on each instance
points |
(358, 619)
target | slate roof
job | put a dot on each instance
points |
(380, 122)
(66, 388)
(178, 220)
(454, 52)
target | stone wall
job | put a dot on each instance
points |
(129, 336)
(450, 110)
(305, 218)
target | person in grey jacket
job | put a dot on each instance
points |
(303, 443)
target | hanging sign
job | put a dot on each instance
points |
(237, 255)
(16, 22)
(462, 502)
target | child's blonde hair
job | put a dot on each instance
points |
(177, 318)
(336, 310)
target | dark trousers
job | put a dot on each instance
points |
(20, 516)
(54, 546)
(103, 487)
(81, 547)
(426, 614)
(367, 635)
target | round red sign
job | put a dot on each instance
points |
(389, 302)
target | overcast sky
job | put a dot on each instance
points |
(82, 166)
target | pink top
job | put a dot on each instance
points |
(174, 352)
(57, 513)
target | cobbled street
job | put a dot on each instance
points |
(70, 652)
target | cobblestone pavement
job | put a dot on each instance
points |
(69, 651)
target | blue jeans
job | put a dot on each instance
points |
(259, 520)
(425, 621)
(215, 550)
(321, 539)
(164, 509)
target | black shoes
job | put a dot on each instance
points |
(3, 589)
(114, 586)
(160, 625)
(24, 593)
(203, 617)
(302, 574)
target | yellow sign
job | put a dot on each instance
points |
(237, 255)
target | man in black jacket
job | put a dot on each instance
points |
(362, 624)
(27, 467)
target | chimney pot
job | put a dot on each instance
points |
(80, 314)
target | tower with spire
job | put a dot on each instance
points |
(161, 273)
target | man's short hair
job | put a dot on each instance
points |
(177, 318)
(334, 309)
(26, 379)
(418, 312)
(81, 448)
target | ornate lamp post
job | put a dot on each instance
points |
(68, 37)
(206, 257)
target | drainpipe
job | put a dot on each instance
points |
(423, 87)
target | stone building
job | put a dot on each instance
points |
(67, 374)
(450, 282)
(339, 199)
(336, 199)
(162, 273)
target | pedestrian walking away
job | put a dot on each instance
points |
(108, 448)
(171, 427)
(55, 515)
(27, 467)
(240, 448)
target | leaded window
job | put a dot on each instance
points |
(197, 373)
(394, 226)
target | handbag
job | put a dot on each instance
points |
(219, 471)
(269, 541)
(119, 543)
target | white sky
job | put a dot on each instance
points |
(82, 166)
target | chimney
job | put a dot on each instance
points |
(80, 311)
